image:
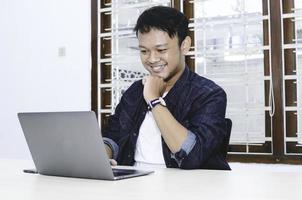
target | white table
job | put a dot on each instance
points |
(169, 184)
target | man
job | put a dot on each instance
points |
(173, 117)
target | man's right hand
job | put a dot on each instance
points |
(113, 162)
(109, 153)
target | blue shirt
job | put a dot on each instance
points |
(195, 102)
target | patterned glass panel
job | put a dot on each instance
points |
(126, 64)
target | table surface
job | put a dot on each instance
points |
(163, 184)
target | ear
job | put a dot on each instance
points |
(186, 45)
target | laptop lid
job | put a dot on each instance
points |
(69, 144)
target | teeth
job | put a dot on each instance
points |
(158, 68)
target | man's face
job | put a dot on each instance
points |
(161, 55)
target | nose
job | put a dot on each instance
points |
(153, 57)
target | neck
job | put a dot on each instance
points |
(171, 82)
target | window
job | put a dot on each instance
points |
(252, 48)
(230, 49)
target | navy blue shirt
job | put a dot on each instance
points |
(195, 102)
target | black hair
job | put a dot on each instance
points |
(165, 19)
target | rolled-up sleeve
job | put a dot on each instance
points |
(185, 149)
(113, 146)
(207, 123)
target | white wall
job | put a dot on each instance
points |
(33, 77)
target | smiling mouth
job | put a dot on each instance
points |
(157, 68)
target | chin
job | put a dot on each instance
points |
(162, 76)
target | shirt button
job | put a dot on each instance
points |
(129, 156)
(134, 134)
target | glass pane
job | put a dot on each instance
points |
(298, 26)
(126, 64)
(216, 8)
(229, 50)
(298, 4)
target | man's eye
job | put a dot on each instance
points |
(143, 51)
(162, 50)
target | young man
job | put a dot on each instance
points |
(173, 117)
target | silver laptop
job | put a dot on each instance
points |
(70, 144)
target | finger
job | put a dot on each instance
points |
(144, 80)
(113, 162)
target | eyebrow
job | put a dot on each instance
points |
(159, 45)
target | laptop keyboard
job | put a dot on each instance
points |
(123, 172)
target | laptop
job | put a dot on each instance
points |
(70, 144)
